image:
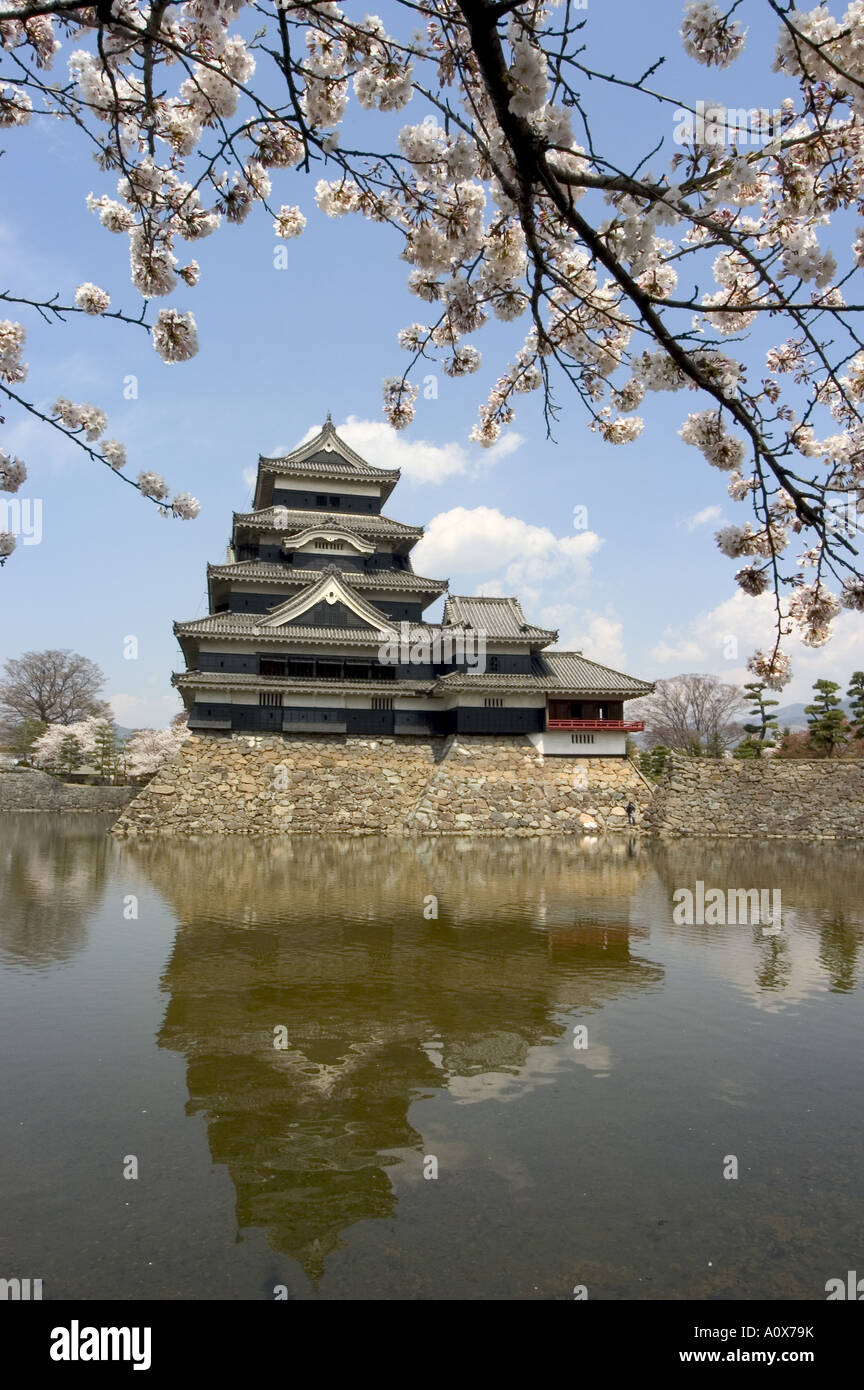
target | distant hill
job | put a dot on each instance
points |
(793, 716)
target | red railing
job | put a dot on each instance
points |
(612, 726)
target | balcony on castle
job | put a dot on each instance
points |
(617, 726)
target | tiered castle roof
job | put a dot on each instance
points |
(315, 568)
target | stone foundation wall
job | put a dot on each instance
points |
(270, 785)
(771, 798)
(38, 791)
(495, 785)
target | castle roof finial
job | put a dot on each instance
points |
(328, 421)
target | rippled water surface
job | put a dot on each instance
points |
(143, 987)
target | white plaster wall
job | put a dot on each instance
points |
(561, 742)
(322, 485)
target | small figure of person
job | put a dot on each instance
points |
(631, 813)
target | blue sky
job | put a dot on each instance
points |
(643, 588)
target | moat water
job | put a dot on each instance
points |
(327, 1090)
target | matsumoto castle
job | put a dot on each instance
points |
(316, 626)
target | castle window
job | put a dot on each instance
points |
(581, 738)
(494, 663)
(382, 701)
(328, 545)
(493, 702)
(270, 699)
(335, 502)
(320, 501)
(301, 670)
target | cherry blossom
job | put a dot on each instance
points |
(12, 337)
(289, 222)
(775, 669)
(185, 506)
(12, 473)
(91, 299)
(47, 749)
(148, 749)
(708, 35)
(175, 336)
(114, 452)
(722, 267)
(752, 580)
(152, 484)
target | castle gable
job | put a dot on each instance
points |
(330, 603)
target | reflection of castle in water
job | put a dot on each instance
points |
(380, 1003)
(52, 878)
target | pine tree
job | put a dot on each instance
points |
(105, 751)
(764, 728)
(70, 756)
(749, 748)
(855, 694)
(828, 726)
(652, 761)
(24, 735)
(714, 746)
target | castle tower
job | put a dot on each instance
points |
(316, 626)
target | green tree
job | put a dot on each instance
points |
(714, 746)
(828, 725)
(23, 735)
(763, 730)
(652, 761)
(855, 694)
(749, 748)
(105, 751)
(70, 756)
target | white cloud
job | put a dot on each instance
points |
(602, 640)
(599, 636)
(722, 639)
(702, 518)
(680, 654)
(384, 447)
(519, 555)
